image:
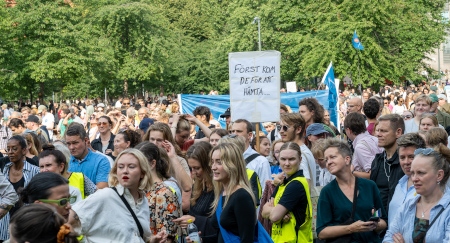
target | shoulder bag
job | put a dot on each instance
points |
(141, 230)
(261, 235)
(347, 238)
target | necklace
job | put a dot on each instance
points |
(384, 165)
(423, 211)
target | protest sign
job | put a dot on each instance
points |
(254, 85)
(291, 87)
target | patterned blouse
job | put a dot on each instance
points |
(162, 201)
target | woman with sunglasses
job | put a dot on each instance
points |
(39, 223)
(105, 142)
(18, 172)
(407, 115)
(53, 160)
(106, 216)
(49, 188)
(425, 218)
(399, 106)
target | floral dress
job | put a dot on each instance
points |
(164, 207)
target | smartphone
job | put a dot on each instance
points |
(374, 219)
(376, 216)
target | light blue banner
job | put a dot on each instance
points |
(218, 104)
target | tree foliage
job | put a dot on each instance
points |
(82, 48)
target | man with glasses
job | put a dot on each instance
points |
(291, 130)
(255, 161)
(354, 105)
(385, 170)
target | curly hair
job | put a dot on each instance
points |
(313, 105)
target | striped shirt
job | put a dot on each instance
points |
(28, 171)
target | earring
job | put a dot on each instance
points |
(438, 182)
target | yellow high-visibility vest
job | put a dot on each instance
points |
(284, 232)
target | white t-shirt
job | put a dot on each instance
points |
(105, 218)
(49, 121)
(260, 165)
(308, 164)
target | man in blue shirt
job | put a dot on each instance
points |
(95, 166)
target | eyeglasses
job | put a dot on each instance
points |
(103, 123)
(407, 117)
(284, 127)
(424, 151)
(61, 202)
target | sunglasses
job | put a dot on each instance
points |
(125, 103)
(103, 123)
(284, 127)
(386, 103)
(407, 117)
(61, 202)
(424, 151)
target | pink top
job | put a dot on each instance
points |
(366, 147)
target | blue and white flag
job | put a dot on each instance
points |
(356, 43)
(328, 80)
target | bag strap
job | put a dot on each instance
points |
(141, 231)
(251, 158)
(355, 198)
(224, 233)
(437, 216)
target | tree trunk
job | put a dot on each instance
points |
(125, 88)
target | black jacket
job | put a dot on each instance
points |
(97, 143)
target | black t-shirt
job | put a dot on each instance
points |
(17, 185)
(380, 170)
(238, 216)
(294, 198)
(200, 133)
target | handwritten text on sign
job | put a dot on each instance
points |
(254, 84)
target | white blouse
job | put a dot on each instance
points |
(105, 218)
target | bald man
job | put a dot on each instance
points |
(354, 105)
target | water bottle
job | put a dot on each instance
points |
(193, 232)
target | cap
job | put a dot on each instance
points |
(315, 129)
(101, 105)
(434, 88)
(33, 118)
(433, 98)
(41, 108)
(442, 96)
(226, 114)
(145, 124)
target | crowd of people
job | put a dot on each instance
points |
(139, 171)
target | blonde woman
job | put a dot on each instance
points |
(234, 203)
(32, 153)
(106, 217)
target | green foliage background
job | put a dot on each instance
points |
(182, 46)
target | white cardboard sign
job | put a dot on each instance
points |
(255, 85)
